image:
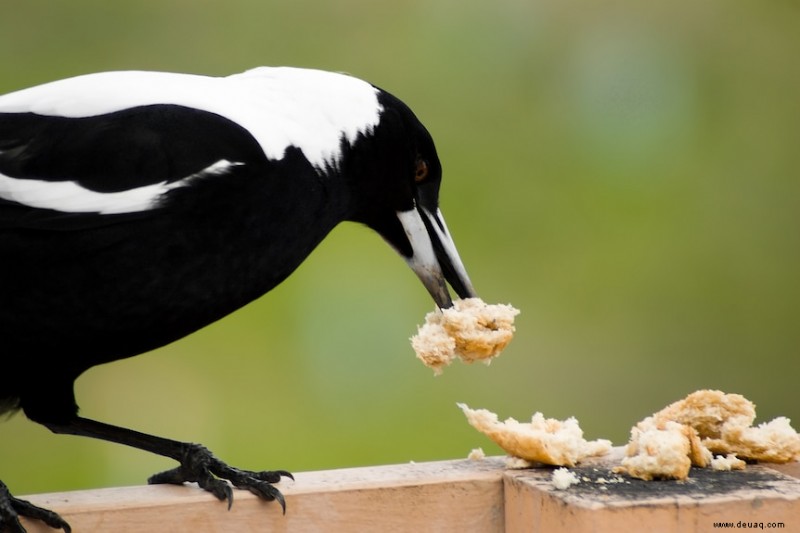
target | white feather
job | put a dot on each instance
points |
(280, 106)
(71, 197)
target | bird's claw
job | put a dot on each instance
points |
(12, 508)
(199, 465)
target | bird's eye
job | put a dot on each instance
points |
(422, 171)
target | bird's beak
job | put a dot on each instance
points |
(435, 259)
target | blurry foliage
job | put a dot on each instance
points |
(624, 173)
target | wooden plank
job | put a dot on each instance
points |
(443, 496)
(758, 495)
(457, 496)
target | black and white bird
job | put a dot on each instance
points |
(138, 207)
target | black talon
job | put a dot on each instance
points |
(284, 473)
(12, 508)
(199, 465)
(279, 497)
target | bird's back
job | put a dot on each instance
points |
(131, 221)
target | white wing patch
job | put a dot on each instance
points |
(71, 197)
(281, 107)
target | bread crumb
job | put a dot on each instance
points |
(688, 432)
(604, 481)
(563, 479)
(542, 440)
(476, 454)
(471, 330)
(729, 462)
(517, 463)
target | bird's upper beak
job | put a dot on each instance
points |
(435, 259)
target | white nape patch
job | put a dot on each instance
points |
(71, 197)
(281, 106)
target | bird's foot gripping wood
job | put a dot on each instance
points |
(199, 465)
(12, 508)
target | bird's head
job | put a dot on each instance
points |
(396, 175)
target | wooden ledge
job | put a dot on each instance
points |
(435, 496)
(455, 496)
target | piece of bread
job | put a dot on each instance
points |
(771, 442)
(688, 432)
(724, 425)
(662, 450)
(708, 411)
(542, 440)
(470, 330)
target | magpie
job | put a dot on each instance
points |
(138, 207)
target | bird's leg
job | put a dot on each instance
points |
(197, 463)
(12, 508)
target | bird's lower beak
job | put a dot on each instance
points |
(435, 259)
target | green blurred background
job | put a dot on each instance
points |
(624, 173)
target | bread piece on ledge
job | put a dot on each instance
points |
(542, 440)
(690, 432)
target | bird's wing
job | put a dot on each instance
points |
(61, 172)
(97, 147)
